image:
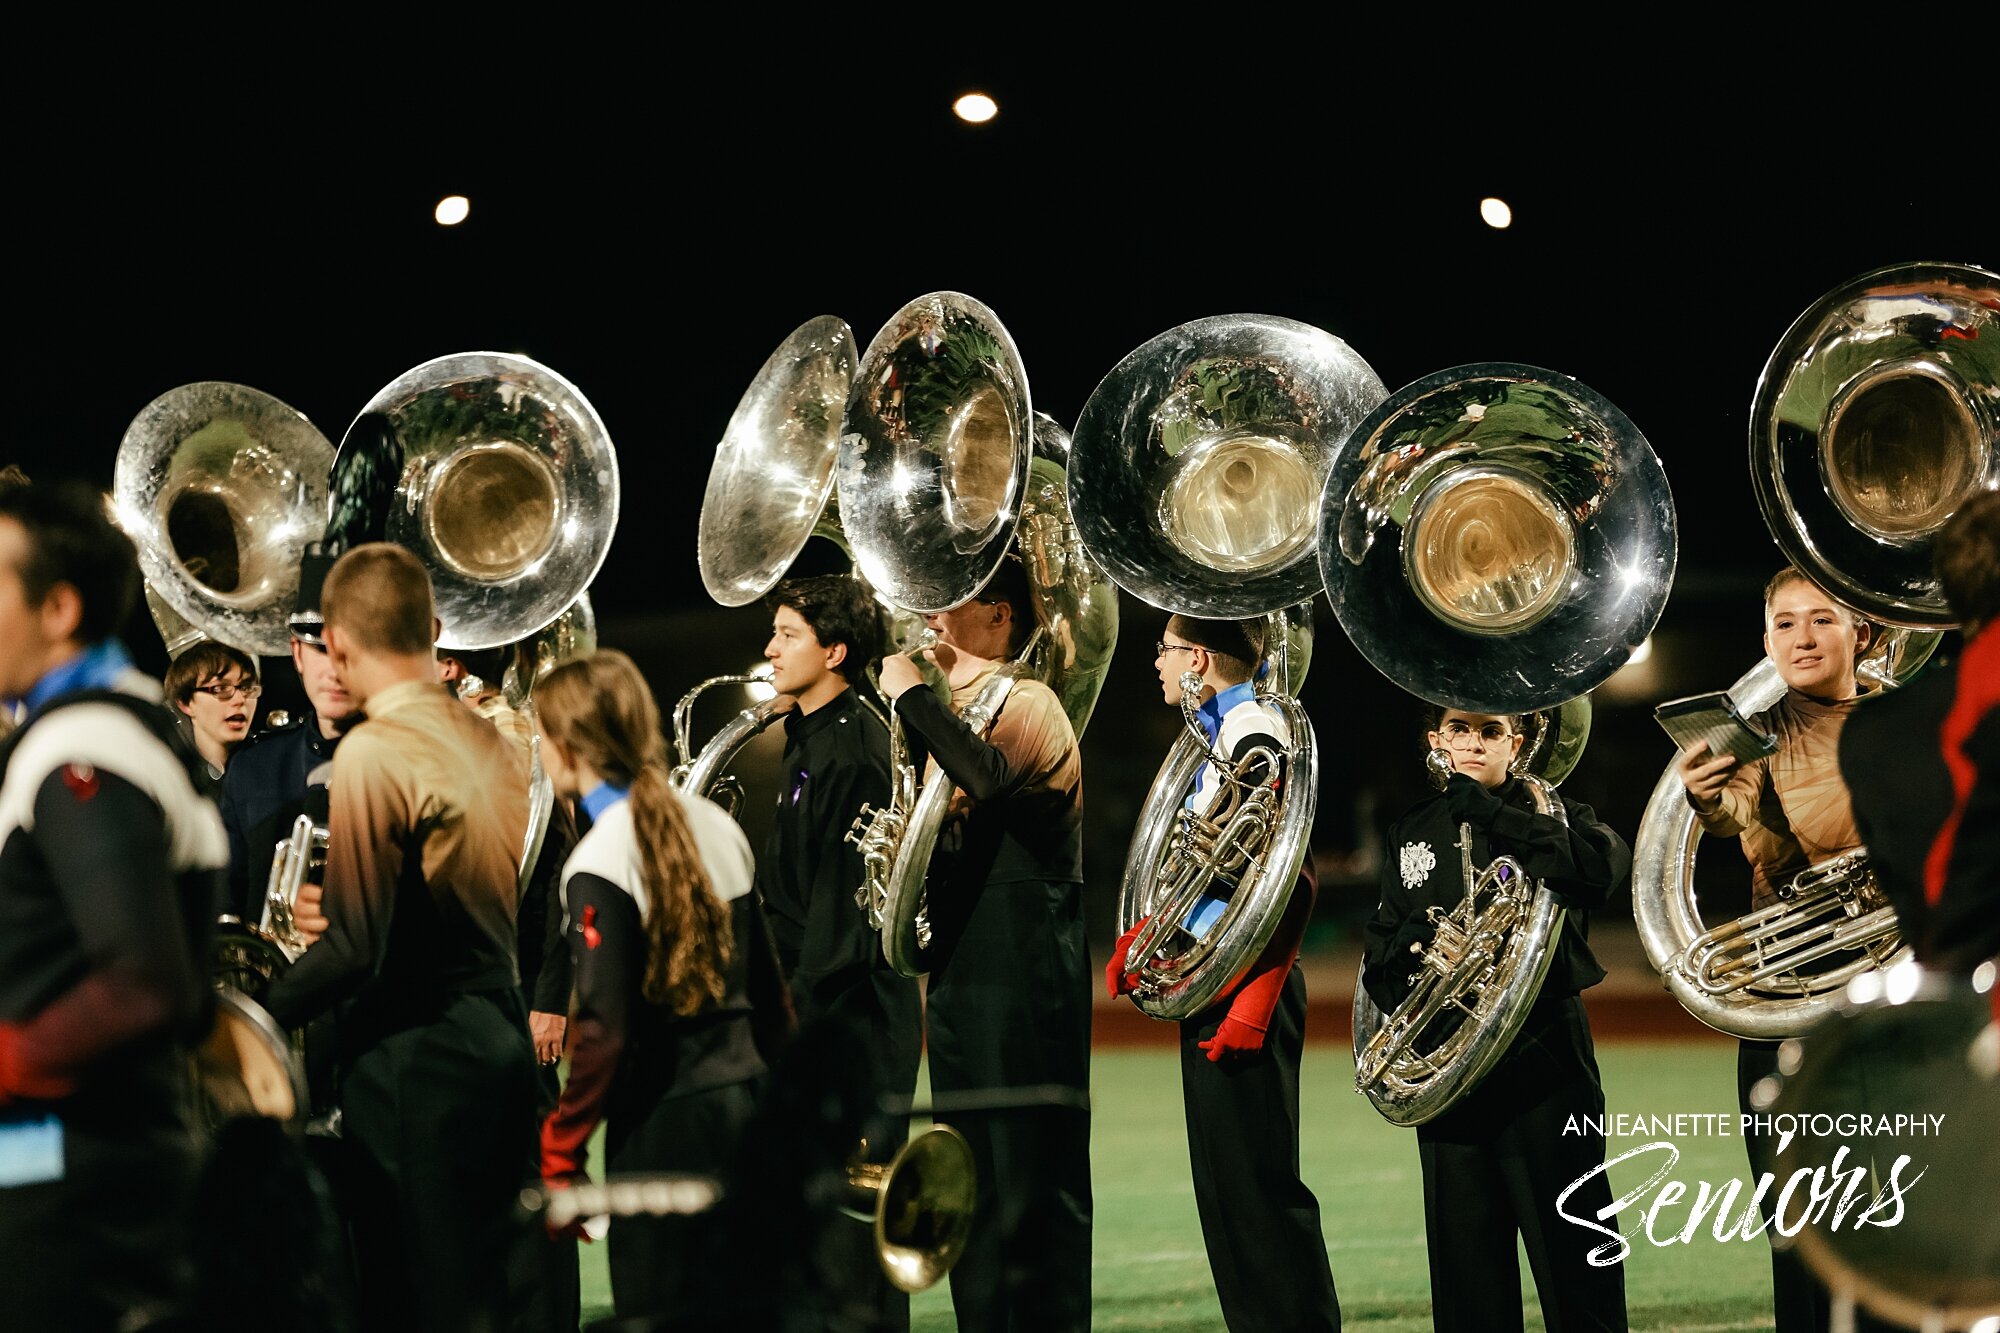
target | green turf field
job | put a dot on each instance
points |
(1151, 1273)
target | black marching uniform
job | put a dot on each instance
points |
(673, 1092)
(1259, 1220)
(836, 761)
(110, 862)
(1896, 761)
(1009, 1001)
(262, 792)
(1495, 1162)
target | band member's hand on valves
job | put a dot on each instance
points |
(1703, 776)
(1470, 802)
(307, 914)
(546, 1030)
(1116, 979)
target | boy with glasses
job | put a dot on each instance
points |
(214, 685)
(1495, 1162)
(1240, 1057)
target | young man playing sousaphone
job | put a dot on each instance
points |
(1240, 1057)
(1009, 989)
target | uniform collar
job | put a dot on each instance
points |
(800, 725)
(601, 798)
(1212, 712)
(97, 667)
(403, 694)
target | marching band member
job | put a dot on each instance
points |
(1009, 990)
(1922, 764)
(110, 861)
(265, 787)
(1240, 1059)
(214, 685)
(1495, 1162)
(544, 1279)
(669, 944)
(824, 633)
(1790, 810)
(436, 1076)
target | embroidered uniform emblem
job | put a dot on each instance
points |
(592, 936)
(81, 779)
(1418, 862)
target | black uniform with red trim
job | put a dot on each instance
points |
(1495, 1163)
(1240, 1086)
(1922, 765)
(110, 862)
(673, 1092)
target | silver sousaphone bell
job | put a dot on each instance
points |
(220, 487)
(507, 490)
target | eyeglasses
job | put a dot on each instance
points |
(248, 690)
(1459, 736)
(1162, 648)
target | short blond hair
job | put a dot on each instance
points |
(379, 595)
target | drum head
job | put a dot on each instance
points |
(246, 1067)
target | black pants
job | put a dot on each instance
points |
(1259, 1222)
(1010, 1008)
(1493, 1167)
(437, 1116)
(544, 1287)
(107, 1242)
(879, 1015)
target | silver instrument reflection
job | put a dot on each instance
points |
(220, 487)
(507, 491)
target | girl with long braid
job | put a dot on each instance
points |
(666, 936)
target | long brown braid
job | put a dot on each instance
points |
(600, 711)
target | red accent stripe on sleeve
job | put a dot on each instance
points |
(1978, 694)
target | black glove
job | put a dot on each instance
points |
(1470, 803)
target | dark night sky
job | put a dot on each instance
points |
(653, 238)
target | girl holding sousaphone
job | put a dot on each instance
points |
(1497, 539)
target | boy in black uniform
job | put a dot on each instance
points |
(824, 633)
(1240, 1057)
(109, 863)
(1495, 1162)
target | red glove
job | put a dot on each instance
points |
(1234, 1037)
(574, 1230)
(1116, 979)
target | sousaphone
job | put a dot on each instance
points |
(1496, 538)
(943, 468)
(220, 487)
(770, 490)
(1195, 479)
(1876, 417)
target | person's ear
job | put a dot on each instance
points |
(61, 612)
(835, 656)
(437, 630)
(1516, 750)
(1864, 636)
